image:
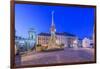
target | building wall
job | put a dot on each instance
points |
(86, 43)
(61, 39)
(43, 40)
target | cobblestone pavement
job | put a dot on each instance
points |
(68, 55)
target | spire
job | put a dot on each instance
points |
(52, 25)
(52, 18)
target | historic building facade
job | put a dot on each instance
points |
(88, 43)
(61, 38)
(25, 44)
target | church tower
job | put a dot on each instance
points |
(32, 34)
(32, 38)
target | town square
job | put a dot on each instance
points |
(44, 42)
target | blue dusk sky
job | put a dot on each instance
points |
(76, 20)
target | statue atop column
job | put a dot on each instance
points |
(52, 42)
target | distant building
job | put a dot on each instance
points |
(91, 43)
(80, 43)
(94, 35)
(25, 44)
(86, 43)
(61, 38)
(75, 43)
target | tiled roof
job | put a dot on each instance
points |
(19, 38)
(63, 33)
(44, 34)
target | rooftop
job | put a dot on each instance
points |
(57, 33)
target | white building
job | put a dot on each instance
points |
(75, 43)
(86, 43)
